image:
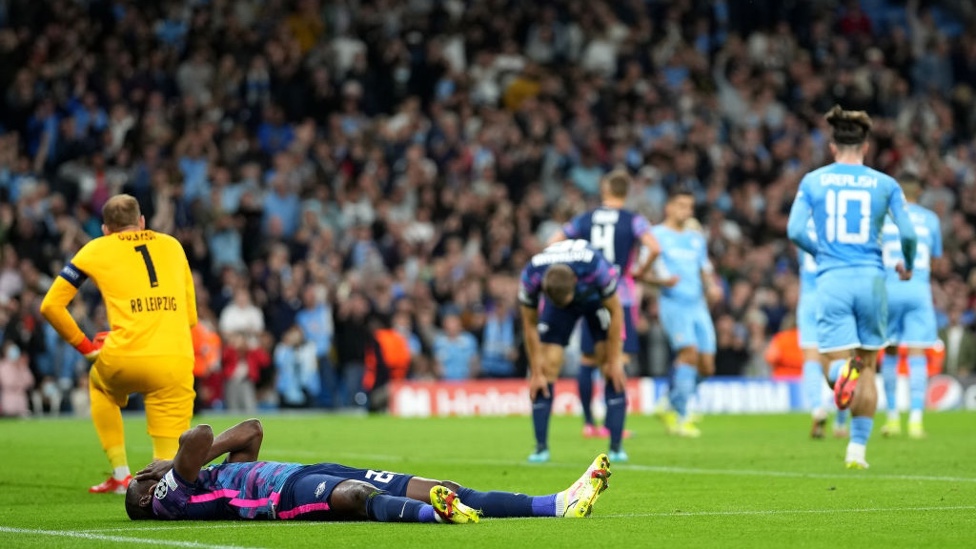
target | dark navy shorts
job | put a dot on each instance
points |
(556, 325)
(305, 495)
(631, 344)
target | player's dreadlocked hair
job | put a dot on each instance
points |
(850, 127)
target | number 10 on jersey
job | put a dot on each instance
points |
(848, 209)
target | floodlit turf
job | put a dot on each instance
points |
(750, 481)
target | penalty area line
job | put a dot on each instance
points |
(91, 536)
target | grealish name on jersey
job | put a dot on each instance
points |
(848, 180)
(153, 304)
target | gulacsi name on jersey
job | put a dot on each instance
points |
(153, 304)
(136, 236)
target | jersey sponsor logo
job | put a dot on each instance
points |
(152, 304)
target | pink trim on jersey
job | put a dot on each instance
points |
(302, 509)
(235, 501)
(630, 288)
(216, 494)
(239, 502)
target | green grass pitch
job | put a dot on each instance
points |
(750, 481)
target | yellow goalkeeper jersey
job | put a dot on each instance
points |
(147, 286)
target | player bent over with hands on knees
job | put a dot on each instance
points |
(567, 281)
(241, 487)
(618, 234)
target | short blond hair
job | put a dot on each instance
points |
(121, 211)
(559, 284)
(618, 183)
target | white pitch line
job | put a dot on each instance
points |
(196, 525)
(674, 514)
(790, 474)
(114, 539)
(636, 467)
(761, 512)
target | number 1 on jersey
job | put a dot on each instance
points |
(150, 268)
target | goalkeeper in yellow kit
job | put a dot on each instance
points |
(147, 286)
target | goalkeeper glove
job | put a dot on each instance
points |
(90, 349)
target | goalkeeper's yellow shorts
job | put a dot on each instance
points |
(165, 382)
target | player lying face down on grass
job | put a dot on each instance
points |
(568, 281)
(241, 487)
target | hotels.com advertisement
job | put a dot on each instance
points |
(715, 396)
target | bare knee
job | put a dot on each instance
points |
(688, 355)
(349, 498)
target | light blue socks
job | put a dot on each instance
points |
(683, 388)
